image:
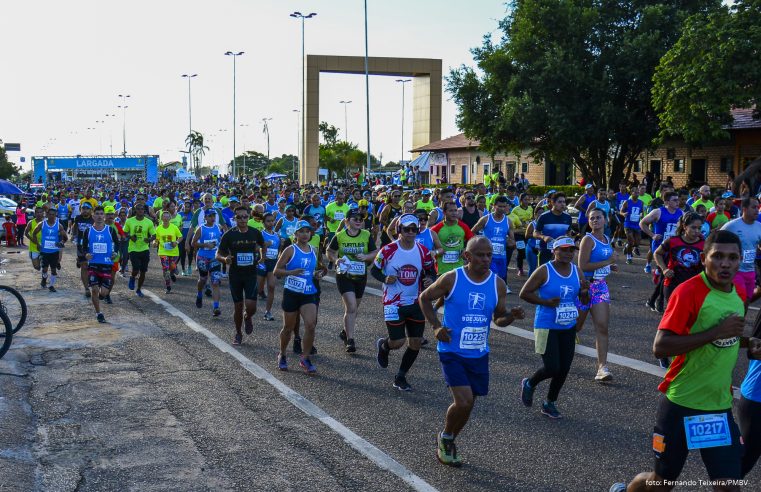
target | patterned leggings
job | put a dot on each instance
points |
(168, 266)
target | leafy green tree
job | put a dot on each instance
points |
(251, 163)
(329, 133)
(8, 169)
(197, 149)
(714, 66)
(284, 164)
(571, 80)
(340, 157)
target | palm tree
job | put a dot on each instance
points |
(196, 148)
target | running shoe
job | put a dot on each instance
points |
(52, 289)
(168, 289)
(446, 452)
(629, 261)
(238, 339)
(101, 318)
(650, 305)
(173, 277)
(187, 272)
(199, 302)
(207, 292)
(648, 268)
(342, 335)
(307, 365)
(139, 293)
(43, 282)
(549, 409)
(297, 345)
(521, 273)
(603, 374)
(507, 290)
(350, 346)
(184, 272)
(527, 393)
(664, 362)
(249, 324)
(618, 487)
(216, 312)
(400, 383)
(108, 299)
(268, 316)
(282, 364)
(382, 355)
(636, 251)
(131, 283)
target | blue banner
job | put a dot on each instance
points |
(85, 163)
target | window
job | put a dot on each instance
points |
(725, 164)
(638, 166)
(497, 165)
(451, 169)
(487, 168)
(524, 167)
(678, 165)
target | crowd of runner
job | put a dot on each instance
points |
(449, 248)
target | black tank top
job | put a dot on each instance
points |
(470, 218)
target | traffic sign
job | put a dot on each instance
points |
(13, 147)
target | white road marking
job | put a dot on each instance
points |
(374, 454)
(754, 308)
(591, 352)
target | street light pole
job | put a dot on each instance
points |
(190, 117)
(110, 133)
(234, 55)
(299, 15)
(346, 121)
(367, 97)
(266, 130)
(124, 122)
(298, 149)
(403, 81)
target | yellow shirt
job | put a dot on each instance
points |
(166, 235)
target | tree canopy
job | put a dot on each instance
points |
(340, 156)
(571, 80)
(714, 66)
(8, 169)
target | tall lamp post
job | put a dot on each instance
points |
(403, 82)
(243, 126)
(124, 107)
(299, 15)
(367, 97)
(298, 149)
(266, 130)
(190, 116)
(346, 121)
(111, 133)
(234, 55)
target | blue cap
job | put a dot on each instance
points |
(233, 199)
(86, 205)
(302, 224)
(210, 211)
(728, 194)
(426, 191)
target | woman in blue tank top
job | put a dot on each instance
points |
(596, 260)
(186, 251)
(266, 268)
(426, 236)
(286, 226)
(554, 288)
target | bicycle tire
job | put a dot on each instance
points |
(6, 334)
(14, 311)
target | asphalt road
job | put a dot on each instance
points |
(157, 399)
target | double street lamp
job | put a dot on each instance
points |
(234, 55)
(403, 82)
(346, 121)
(299, 15)
(190, 115)
(124, 107)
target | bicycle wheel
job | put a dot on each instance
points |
(6, 333)
(14, 305)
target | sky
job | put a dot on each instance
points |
(65, 63)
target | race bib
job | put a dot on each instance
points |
(670, 231)
(271, 254)
(498, 249)
(49, 244)
(290, 230)
(168, 246)
(451, 257)
(391, 313)
(634, 216)
(707, 431)
(749, 255)
(602, 272)
(295, 284)
(355, 268)
(566, 314)
(473, 338)
(244, 259)
(520, 244)
(99, 248)
(213, 242)
(338, 216)
(186, 224)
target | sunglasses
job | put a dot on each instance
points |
(410, 229)
(241, 217)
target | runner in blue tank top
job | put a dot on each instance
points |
(186, 250)
(496, 228)
(51, 239)
(582, 204)
(632, 211)
(426, 236)
(554, 288)
(665, 220)
(596, 260)
(267, 264)
(101, 246)
(206, 241)
(298, 264)
(286, 226)
(473, 298)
